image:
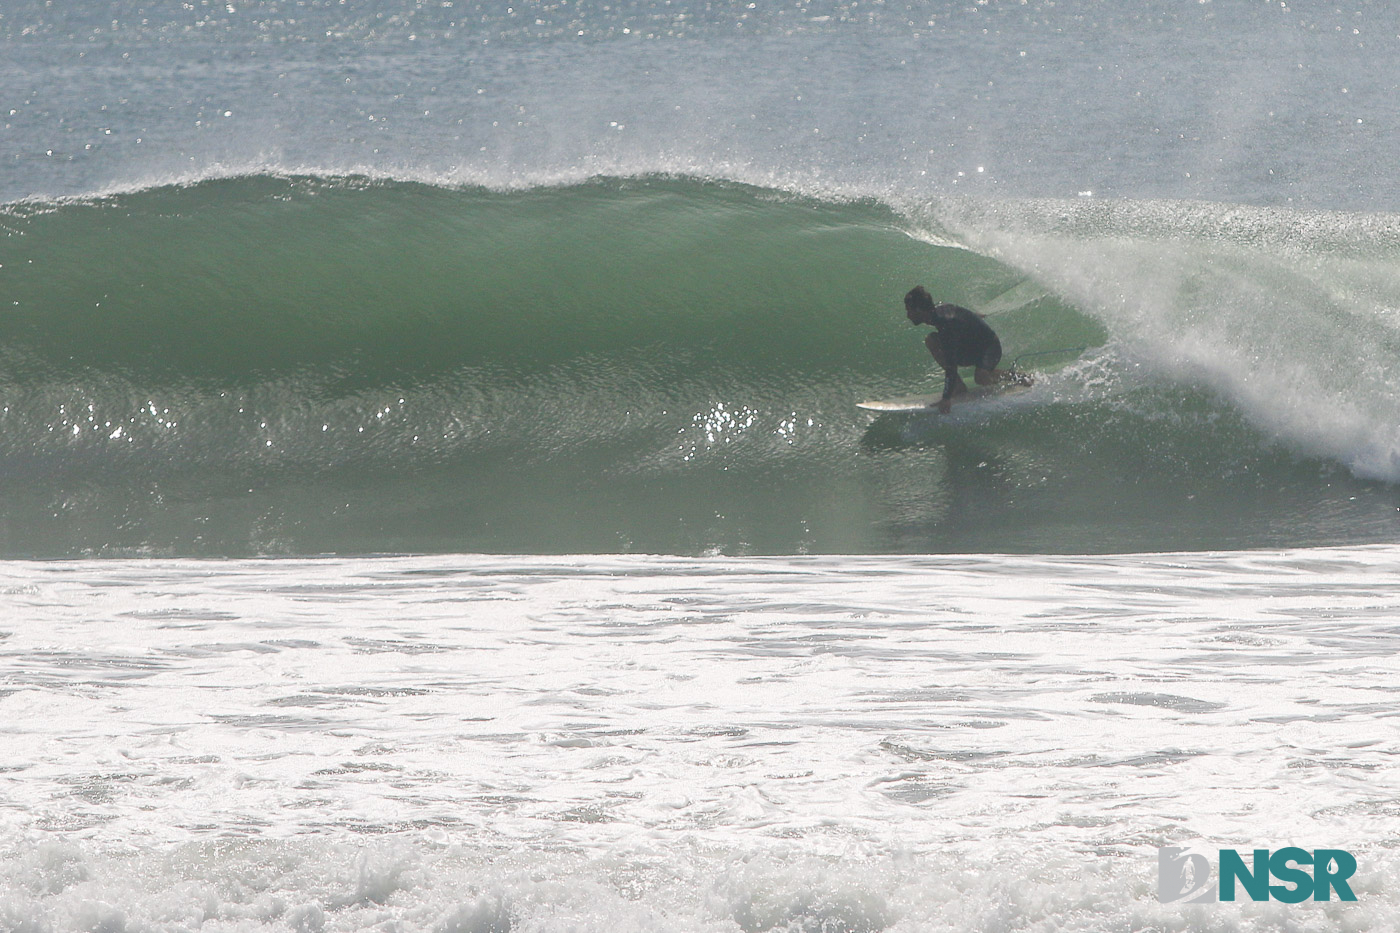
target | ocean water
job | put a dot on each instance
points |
(434, 497)
(645, 743)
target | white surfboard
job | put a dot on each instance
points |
(929, 403)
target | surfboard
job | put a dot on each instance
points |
(929, 403)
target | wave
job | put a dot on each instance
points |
(250, 276)
(1290, 317)
(272, 363)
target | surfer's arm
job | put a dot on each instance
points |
(951, 381)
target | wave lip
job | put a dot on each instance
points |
(1286, 316)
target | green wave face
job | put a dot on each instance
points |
(243, 278)
(302, 365)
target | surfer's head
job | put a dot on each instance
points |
(918, 305)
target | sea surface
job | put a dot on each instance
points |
(434, 498)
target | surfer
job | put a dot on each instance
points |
(960, 338)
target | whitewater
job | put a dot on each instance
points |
(434, 497)
(640, 743)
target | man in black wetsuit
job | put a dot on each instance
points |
(960, 338)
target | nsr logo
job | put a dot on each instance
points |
(1185, 876)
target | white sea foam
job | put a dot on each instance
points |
(1288, 315)
(632, 743)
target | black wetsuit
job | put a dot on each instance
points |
(966, 341)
